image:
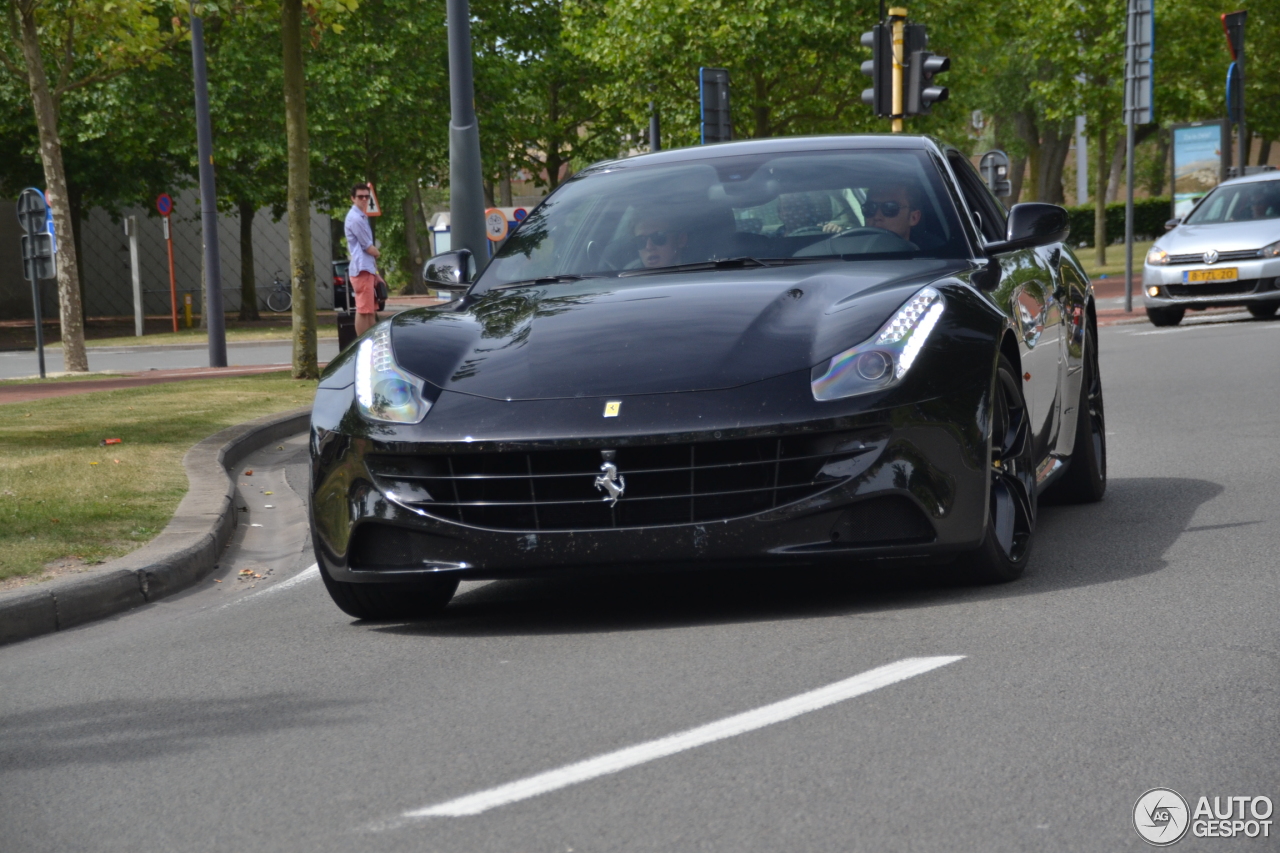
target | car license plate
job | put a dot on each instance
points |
(1219, 274)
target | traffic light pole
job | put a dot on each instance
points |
(898, 20)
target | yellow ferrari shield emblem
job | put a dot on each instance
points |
(611, 408)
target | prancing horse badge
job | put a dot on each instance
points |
(611, 408)
(610, 481)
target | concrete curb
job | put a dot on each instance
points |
(184, 552)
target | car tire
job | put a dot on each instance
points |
(1085, 480)
(1011, 516)
(1165, 316)
(384, 601)
(1264, 310)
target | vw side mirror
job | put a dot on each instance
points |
(452, 271)
(1033, 224)
(1173, 223)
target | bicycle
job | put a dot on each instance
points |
(280, 299)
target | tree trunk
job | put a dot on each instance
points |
(1100, 195)
(1161, 170)
(70, 311)
(1115, 180)
(248, 278)
(504, 186)
(1264, 152)
(414, 248)
(1054, 148)
(302, 266)
(760, 108)
(488, 192)
(1024, 124)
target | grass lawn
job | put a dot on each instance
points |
(1115, 259)
(66, 500)
(61, 377)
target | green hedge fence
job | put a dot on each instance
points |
(1149, 217)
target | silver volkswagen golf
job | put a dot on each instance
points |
(1226, 252)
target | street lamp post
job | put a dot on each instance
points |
(208, 200)
(466, 181)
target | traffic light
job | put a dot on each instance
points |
(880, 69)
(920, 94)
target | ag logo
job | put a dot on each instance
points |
(1161, 817)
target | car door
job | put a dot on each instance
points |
(1029, 292)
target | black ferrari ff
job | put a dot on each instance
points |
(785, 352)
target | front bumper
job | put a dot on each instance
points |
(926, 460)
(1258, 281)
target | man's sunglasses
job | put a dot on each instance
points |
(657, 238)
(890, 209)
(362, 195)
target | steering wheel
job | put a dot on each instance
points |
(865, 231)
(806, 231)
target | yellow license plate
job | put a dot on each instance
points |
(1220, 274)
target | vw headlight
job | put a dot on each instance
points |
(1270, 251)
(885, 357)
(384, 392)
(1157, 257)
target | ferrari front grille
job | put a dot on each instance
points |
(660, 484)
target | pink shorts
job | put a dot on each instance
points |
(363, 286)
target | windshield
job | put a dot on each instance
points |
(774, 208)
(1239, 203)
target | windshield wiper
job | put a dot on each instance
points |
(721, 264)
(545, 279)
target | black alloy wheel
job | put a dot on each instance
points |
(1011, 522)
(1085, 480)
(1263, 310)
(1166, 316)
(388, 601)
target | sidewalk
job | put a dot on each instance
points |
(43, 391)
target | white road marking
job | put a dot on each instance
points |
(310, 573)
(622, 759)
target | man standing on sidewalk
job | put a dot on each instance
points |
(362, 270)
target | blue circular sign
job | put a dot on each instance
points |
(164, 204)
(520, 213)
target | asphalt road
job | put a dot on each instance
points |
(14, 365)
(1141, 650)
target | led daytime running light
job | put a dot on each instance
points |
(885, 358)
(384, 392)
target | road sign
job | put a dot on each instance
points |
(713, 89)
(164, 204)
(519, 214)
(1138, 82)
(38, 249)
(495, 225)
(374, 208)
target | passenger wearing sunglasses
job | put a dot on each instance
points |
(658, 242)
(892, 207)
(363, 269)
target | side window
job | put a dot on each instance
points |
(979, 199)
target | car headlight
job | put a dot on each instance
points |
(884, 358)
(1157, 257)
(384, 392)
(1271, 251)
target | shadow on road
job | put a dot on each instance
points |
(1123, 537)
(124, 731)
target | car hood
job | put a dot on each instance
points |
(654, 334)
(1222, 236)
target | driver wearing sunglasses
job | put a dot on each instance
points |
(891, 207)
(658, 242)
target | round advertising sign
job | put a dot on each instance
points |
(164, 204)
(495, 224)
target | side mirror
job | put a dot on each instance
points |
(452, 271)
(1033, 224)
(1173, 223)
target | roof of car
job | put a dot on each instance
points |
(1261, 177)
(772, 145)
